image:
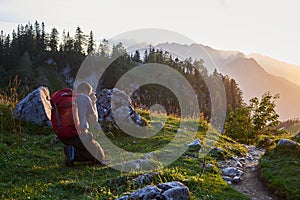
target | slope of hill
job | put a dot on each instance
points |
(288, 71)
(254, 81)
(252, 78)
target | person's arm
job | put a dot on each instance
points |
(93, 117)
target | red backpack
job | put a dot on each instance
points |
(64, 113)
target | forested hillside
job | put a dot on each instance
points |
(53, 59)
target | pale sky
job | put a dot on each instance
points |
(268, 27)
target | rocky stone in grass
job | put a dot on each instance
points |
(232, 171)
(166, 191)
(241, 170)
(148, 192)
(195, 143)
(236, 179)
(219, 149)
(123, 198)
(286, 142)
(227, 178)
(242, 160)
(238, 164)
(145, 178)
(121, 109)
(297, 136)
(175, 190)
(35, 107)
(209, 166)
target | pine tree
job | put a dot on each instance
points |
(14, 54)
(151, 58)
(69, 43)
(79, 41)
(104, 48)
(6, 51)
(53, 40)
(43, 41)
(146, 56)
(63, 42)
(118, 50)
(29, 38)
(37, 37)
(137, 57)
(1, 48)
(91, 44)
(20, 36)
(37, 31)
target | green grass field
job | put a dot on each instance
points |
(33, 168)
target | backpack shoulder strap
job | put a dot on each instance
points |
(57, 115)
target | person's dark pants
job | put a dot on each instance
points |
(86, 148)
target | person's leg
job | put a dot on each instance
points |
(81, 154)
(93, 147)
(69, 152)
(99, 153)
(85, 148)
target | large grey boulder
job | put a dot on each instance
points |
(148, 192)
(35, 107)
(120, 108)
(167, 191)
(174, 190)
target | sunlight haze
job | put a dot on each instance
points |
(266, 27)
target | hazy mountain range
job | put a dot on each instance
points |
(289, 71)
(254, 73)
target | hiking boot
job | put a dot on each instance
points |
(69, 163)
(101, 163)
(98, 163)
(69, 153)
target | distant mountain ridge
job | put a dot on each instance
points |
(253, 78)
(254, 81)
(288, 71)
(213, 59)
